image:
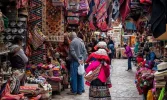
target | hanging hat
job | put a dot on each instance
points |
(162, 69)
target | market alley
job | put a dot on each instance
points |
(123, 86)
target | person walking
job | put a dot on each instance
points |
(99, 66)
(128, 52)
(111, 47)
(77, 56)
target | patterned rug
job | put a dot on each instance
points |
(53, 21)
(35, 13)
(35, 18)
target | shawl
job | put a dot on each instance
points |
(101, 54)
(104, 74)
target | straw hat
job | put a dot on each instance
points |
(162, 69)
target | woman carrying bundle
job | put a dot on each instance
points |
(98, 73)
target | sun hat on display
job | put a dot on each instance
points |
(162, 69)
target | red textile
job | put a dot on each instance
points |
(7, 96)
(139, 60)
(99, 57)
(124, 8)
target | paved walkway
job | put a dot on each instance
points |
(123, 87)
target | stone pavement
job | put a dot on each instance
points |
(123, 87)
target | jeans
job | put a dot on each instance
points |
(129, 63)
(77, 81)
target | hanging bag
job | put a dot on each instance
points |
(81, 69)
(37, 38)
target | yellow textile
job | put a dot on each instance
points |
(150, 95)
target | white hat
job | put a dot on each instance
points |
(166, 47)
(162, 69)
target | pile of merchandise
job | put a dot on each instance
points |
(150, 81)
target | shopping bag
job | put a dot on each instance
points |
(81, 69)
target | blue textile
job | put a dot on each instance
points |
(77, 81)
(130, 26)
(151, 56)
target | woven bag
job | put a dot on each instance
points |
(93, 75)
(37, 38)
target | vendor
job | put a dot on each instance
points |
(150, 55)
(18, 58)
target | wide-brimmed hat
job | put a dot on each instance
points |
(162, 69)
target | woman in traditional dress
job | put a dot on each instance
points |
(99, 87)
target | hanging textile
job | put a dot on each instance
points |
(35, 18)
(35, 14)
(53, 21)
(115, 9)
(124, 8)
(101, 14)
(91, 14)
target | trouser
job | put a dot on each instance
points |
(77, 81)
(129, 63)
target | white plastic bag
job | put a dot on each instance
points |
(81, 69)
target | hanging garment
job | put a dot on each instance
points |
(101, 15)
(158, 18)
(115, 9)
(91, 14)
(109, 13)
(124, 8)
